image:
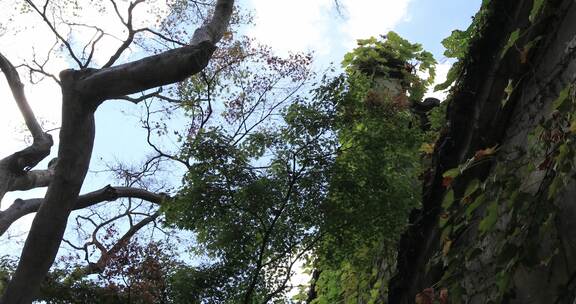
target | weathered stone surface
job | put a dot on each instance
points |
(479, 119)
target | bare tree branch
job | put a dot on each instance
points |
(15, 165)
(165, 68)
(160, 153)
(106, 255)
(32, 180)
(82, 93)
(131, 31)
(42, 13)
(109, 193)
(18, 91)
(40, 66)
(163, 37)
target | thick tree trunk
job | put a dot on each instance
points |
(484, 112)
(75, 149)
(82, 92)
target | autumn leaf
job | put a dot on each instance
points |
(443, 297)
(485, 152)
(227, 35)
(524, 55)
(449, 176)
(421, 298)
(447, 181)
(425, 297)
(446, 247)
(544, 165)
(427, 148)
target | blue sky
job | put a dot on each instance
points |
(301, 25)
(428, 21)
(304, 25)
(288, 26)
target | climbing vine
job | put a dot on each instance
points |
(375, 184)
(514, 211)
(501, 207)
(393, 57)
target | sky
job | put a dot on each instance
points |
(288, 26)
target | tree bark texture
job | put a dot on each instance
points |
(83, 91)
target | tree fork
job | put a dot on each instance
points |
(81, 95)
(45, 236)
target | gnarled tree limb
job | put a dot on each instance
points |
(14, 166)
(18, 91)
(107, 254)
(82, 92)
(165, 68)
(21, 208)
(133, 77)
(32, 180)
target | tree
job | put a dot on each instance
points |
(83, 91)
(254, 178)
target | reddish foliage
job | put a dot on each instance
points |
(428, 296)
(447, 181)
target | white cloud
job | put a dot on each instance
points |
(297, 25)
(305, 25)
(366, 18)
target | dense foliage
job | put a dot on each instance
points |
(279, 176)
(393, 57)
(140, 272)
(514, 212)
(257, 175)
(375, 182)
(280, 171)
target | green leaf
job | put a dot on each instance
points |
(536, 8)
(446, 228)
(511, 41)
(452, 173)
(450, 77)
(555, 186)
(491, 218)
(457, 44)
(472, 187)
(563, 152)
(502, 281)
(448, 200)
(472, 207)
(560, 103)
(532, 42)
(508, 90)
